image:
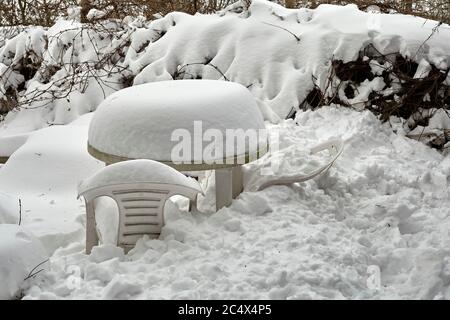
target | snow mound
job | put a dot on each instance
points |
(44, 173)
(147, 121)
(375, 227)
(279, 54)
(20, 253)
(9, 208)
(137, 171)
(9, 144)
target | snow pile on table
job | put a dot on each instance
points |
(281, 55)
(120, 127)
(375, 227)
(21, 256)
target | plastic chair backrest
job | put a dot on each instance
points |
(141, 210)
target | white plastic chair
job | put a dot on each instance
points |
(335, 148)
(140, 203)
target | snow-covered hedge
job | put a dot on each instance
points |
(281, 55)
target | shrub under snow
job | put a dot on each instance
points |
(285, 57)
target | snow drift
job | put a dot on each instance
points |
(44, 173)
(21, 254)
(9, 208)
(375, 227)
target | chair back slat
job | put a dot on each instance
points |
(141, 213)
(141, 209)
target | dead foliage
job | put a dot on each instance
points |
(406, 94)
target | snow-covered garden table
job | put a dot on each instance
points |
(190, 125)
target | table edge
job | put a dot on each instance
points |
(111, 159)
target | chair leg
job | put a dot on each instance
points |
(224, 188)
(91, 227)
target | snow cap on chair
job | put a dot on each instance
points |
(137, 171)
(138, 122)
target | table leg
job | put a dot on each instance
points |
(224, 188)
(193, 205)
(238, 181)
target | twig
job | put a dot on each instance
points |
(204, 64)
(20, 211)
(279, 27)
(433, 31)
(420, 137)
(218, 70)
(32, 273)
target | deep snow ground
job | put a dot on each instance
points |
(384, 206)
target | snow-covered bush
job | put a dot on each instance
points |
(392, 85)
(49, 68)
(8, 33)
(285, 57)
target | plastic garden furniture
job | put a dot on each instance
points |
(335, 148)
(140, 122)
(140, 189)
